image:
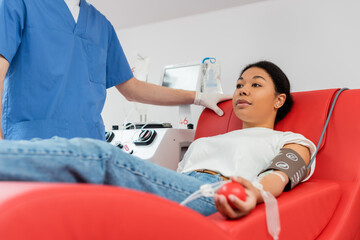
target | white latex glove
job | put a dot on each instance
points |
(210, 100)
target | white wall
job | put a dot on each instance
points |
(315, 42)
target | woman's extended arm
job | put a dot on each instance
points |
(273, 183)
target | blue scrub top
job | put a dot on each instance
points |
(59, 70)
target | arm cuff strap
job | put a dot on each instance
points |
(292, 164)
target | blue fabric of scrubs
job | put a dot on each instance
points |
(59, 69)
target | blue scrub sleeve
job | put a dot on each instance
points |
(118, 69)
(12, 21)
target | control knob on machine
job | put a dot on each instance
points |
(109, 136)
(146, 137)
(119, 145)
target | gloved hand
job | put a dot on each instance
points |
(210, 100)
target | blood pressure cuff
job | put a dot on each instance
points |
(292, 164)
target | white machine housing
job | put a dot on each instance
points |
(167, 149)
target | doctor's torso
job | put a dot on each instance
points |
(57, 79)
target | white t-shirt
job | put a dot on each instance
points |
(74, 7)
(244, 152)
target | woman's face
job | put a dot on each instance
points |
(255, 101)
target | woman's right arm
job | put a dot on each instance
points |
(271, 183)
(274, 183)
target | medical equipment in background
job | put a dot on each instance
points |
(186, 77)
(204, 77)
(210, 76)
(144, 141)
(140, 70)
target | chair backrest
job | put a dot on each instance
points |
(339, 159)
(309, 113)
(307, 117)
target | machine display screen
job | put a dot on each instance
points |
(181, 77)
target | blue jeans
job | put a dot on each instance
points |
(97, 162)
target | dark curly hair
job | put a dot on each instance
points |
(281, 82)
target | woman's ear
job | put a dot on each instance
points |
(280, 100)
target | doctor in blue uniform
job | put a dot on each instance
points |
(57, 58)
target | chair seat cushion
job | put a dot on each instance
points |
(36, 211)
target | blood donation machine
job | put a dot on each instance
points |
(161, 143)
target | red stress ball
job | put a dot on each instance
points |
(233, 188)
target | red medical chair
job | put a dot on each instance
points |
(325, 207)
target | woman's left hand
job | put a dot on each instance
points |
(243, 208)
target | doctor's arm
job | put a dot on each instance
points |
(4, 66)
(139, 91)
(272, 183)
